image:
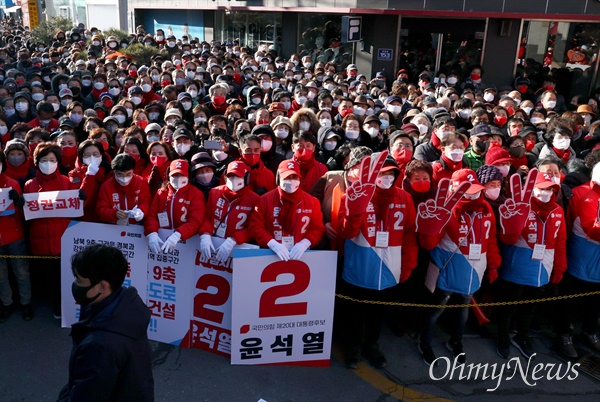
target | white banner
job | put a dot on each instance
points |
(129, 239)
(7, 206)
(53, 204)
(282, 311)
(169, 297)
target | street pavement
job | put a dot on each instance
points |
(34, 366)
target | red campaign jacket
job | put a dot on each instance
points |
(45, 233)
(309, 220)
(312, 171)
(143, 169)
(113, 197)
(51, 127)
(260, 177)
(185, 209)
(236, 214)
(148, 97)
(443, 169)
(90, 184)
(11, 226)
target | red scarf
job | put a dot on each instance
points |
(96, 93)
(451, 165)
(18, 172)
(435, 141)
(543, 209)
(564, 155)
(287, 215)
(518, 162)
(305, 166)
(381, 202)
(465, 206)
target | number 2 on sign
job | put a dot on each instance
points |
(268, 306)
(219, 298)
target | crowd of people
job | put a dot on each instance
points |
(429, 189)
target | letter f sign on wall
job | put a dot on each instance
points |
(351, 29)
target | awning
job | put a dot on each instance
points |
(13, 9)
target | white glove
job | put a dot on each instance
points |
(171, 242)
(154, 242)
(224, 250)
(136, 214)
(299, 249)
(92, 169)
(279, 249)
(206, 246)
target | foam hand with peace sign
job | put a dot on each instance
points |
(433, 215)
(359, 193)
(515, 210)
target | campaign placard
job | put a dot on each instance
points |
(282, 311)
(169, 297)
(53, 204)
(129, 239)
(7, 207)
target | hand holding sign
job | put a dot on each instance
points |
(433, 215)
(515, 210)
(359, 193)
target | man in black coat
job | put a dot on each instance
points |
(111, 357)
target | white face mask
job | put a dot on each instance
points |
(488, 97)
(39, 96)
(114, 91)
(205, 178)
(504, 170)
(452, 80)
(123, 180)
(527, 110)
(287, 105)
(472, 196)
(562, 143)
(178, 182)
(92, 160)
(304, 125)
(289, 186)
(596, 174)
(550, 104)
(48, 167)
(465, 113)
(265, 145)
(300, 100)
(359, 111)
(373, 131)
(394, 109)
(329, 145)
(282, 133)
(234, 183)
(384, 182)
(455, 155)
(492, 193)
(220, 155)
(442, 134)
(422, 129)
(193, 93)
(186, 105)
(325, 122)
(120, 118)
(542, 195)
(182, 149)
(3, 130)
(352, 134)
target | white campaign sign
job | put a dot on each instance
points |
(6, 204)
(282, 311)
(169, 296)
(53, 204)
(129, 239)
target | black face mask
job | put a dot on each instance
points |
(76, 91)
(80, 294)
(516, 152)
(481, 146)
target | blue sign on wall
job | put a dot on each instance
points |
(351, 29)
(385, 54)
(175, 22)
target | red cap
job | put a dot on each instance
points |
(180, 166)
(277, 106)
(288, 167)
(467, 175)
(237, 168)
(543, 180)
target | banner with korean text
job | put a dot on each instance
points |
(53, 204)
(7, 207)
(129, 239)
(282, 311)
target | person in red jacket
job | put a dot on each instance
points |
(134, 148)
(92, 169)
(262, 179)
(228, 213)
(45, 233)
(125, 198)
(45, 118)
(178, 206)
(161, 155)
(288, 220)
(534, 254)
(304, 145)
(18, 164)
(377, 219)
(453, 149)
(12, 242)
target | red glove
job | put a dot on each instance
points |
(433, 215)
(556, 277)
(492, 275)
(515, 210)
(405, 274)
(359, 193)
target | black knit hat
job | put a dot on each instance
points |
(488, 173)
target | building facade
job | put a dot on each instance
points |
(504, 36)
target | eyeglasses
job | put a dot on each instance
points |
(96, 154)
